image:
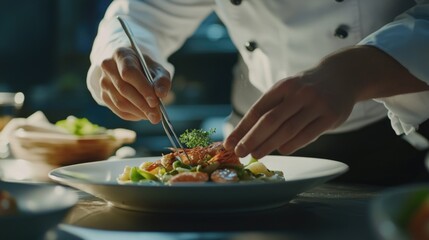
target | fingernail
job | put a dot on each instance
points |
(241, 150)
(257, 155)
(230, 143)
(161, 90)
(152, 102)
(152, 117)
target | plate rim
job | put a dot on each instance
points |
(54, 175)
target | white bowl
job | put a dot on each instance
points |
(40, 208)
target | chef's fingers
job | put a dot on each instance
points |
(321, 112)
(269, 100)
(114, 109)
(330, 111)
(161, 78)
(123, 97)
(107, 97)
(307, 135)
(125, 89)
(124, 108)
(287, 131)
(130, 70)
(267, 125)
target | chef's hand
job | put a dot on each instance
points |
(297, 110)
(126, 90)
(291, 114)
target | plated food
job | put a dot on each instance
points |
(179, 182)
(199, 164)
(203, 161)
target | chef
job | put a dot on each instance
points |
(322, 78)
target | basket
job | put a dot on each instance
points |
(65, 149)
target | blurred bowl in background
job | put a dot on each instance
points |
(402, 213)
(64, 149)
(10, 104)
(39, 208)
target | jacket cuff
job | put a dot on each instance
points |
(406, 40)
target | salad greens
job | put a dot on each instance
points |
(254, 171)
(80, 126)
(202, 161)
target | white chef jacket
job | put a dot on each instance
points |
(280, 38)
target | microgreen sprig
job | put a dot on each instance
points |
(197, 137)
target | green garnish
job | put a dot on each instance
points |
(197, 138)
(179, 164)
(80, 126)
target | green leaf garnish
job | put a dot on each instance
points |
(197, 138)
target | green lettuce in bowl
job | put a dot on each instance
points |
(80, 126)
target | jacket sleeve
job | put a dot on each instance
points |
(160, 28)
(406, 39)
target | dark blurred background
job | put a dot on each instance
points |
(44, 53)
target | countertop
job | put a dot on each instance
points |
(330, 211)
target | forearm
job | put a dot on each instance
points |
(159, 27)
(406, 40)
(370, 73)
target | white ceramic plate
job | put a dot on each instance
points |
(40, 208)
(99, 179)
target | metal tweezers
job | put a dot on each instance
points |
(166, 124)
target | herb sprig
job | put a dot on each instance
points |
(197, 137)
